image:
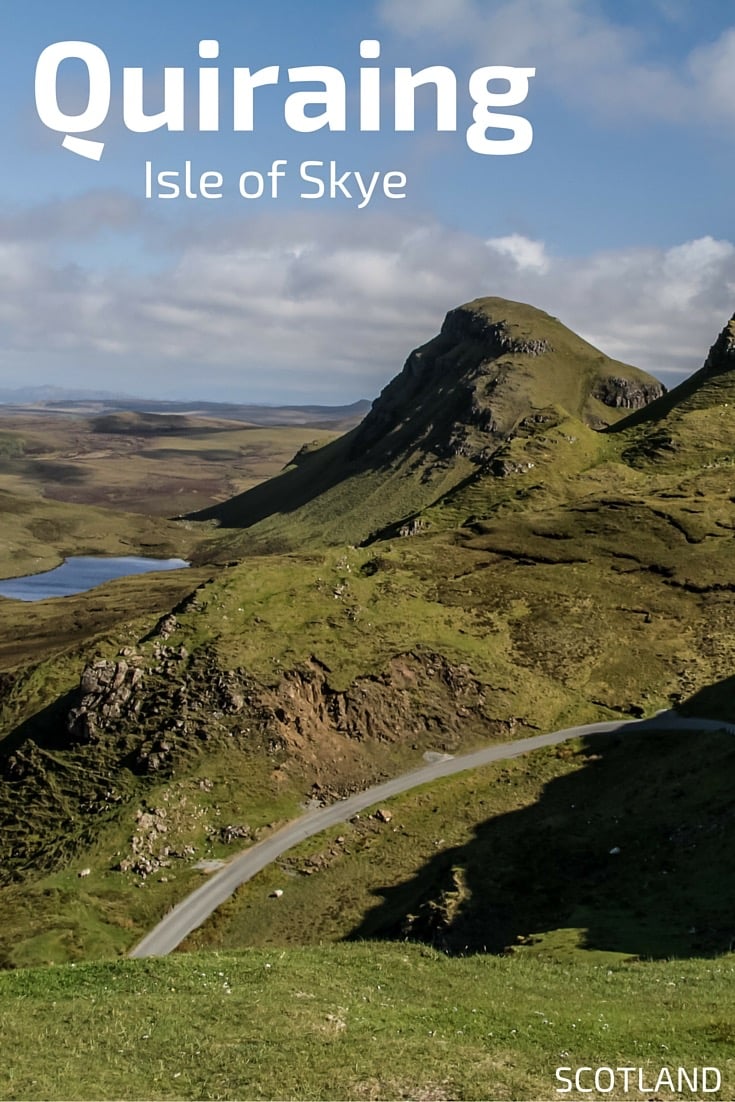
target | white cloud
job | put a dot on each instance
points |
(588, 58)
(689, 270)
(528, 255)
(303, 306)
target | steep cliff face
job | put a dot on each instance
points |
(722, 353)
(493, 363)
(626, 393)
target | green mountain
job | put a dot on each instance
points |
(497, 370)
(713, 385)
(497, 549)
(692, 423)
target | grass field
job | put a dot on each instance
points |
(355, 1021)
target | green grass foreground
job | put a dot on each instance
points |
(358, 1021)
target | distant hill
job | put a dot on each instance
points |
(96, 403)
(326, 416)
(36, 394)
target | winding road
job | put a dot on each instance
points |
(196, 908)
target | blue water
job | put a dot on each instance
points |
(79, 574)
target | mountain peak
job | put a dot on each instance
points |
(506, 327)
(721, 355)
(496, 370)
(493, 363)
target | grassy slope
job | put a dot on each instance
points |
(59, 917)
(711, 386)
(534, 604)
(542, 644)
(360, 1022)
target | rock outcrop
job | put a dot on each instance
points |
(108, 691)
(627, 393)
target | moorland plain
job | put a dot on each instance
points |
(79, 481)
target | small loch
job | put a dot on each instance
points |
(80, 573)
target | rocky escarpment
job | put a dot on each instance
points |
(627, 393)
(461, 362)
(417, 696)
(156, 706)
(492, 363)
(152, 711)
(498, 337)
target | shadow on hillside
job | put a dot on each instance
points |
(716, 700)
(633, 847)
(414, 417)
(288, 491)
(45, 729)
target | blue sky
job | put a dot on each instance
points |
(619, 219)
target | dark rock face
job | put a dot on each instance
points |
(464, 324)
(447, 370)
(721, 355)
(108, 690)
(626, 394)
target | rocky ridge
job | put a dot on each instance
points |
(479, 364)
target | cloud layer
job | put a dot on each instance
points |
(303, 306)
